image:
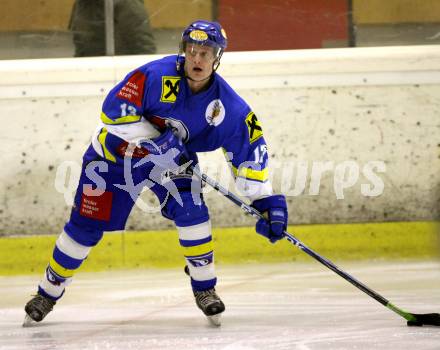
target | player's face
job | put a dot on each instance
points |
(198, 61)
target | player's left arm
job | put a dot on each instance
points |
(248, 158)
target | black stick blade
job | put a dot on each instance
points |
(425, 320)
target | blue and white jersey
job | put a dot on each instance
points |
(215, 118)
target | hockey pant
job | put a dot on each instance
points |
(92, 215)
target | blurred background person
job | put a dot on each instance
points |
(132, 31)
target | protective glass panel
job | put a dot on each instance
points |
(68, 28)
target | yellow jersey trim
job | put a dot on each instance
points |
(252, 174)
(121, 120)
(107, 154)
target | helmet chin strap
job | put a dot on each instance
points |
(198, 81)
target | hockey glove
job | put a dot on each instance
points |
(274, 226)
(166, 150)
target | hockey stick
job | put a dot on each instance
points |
(412, 319)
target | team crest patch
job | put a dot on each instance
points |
(170, 89)
(198, 35)
(254, 127)
(215, 113)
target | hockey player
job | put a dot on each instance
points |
(192, 110)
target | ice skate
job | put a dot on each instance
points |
(211, 305)
(36, 309)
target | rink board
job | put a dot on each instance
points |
(128, 250)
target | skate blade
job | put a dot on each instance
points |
(215, 320)
(28, 321)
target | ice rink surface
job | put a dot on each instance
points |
(277, 306)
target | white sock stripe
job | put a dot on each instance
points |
(194, 232)
(202, 273)
(53, 290)
(72, 248)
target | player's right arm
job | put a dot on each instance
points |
(123, 122)
(122, 116)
